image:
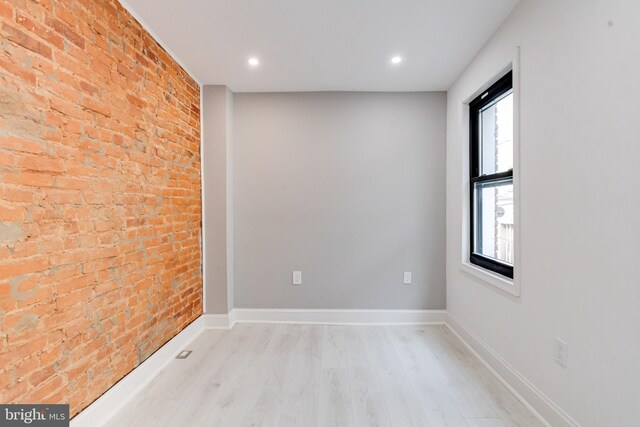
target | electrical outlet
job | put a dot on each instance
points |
(297, 277)
(561, 352)
(407, 278)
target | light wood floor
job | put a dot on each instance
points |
(317, 375)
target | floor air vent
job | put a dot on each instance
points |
(183, 354)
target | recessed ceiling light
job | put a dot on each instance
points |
(396, 60)
(254, 62)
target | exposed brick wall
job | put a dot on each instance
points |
(100, 199)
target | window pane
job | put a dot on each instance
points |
(496, 136)
(494, 220)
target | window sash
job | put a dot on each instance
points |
(493, 177)
(475, 257)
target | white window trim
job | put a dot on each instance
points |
(479, 274)
(490, 278)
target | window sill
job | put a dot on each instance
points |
(490, 278)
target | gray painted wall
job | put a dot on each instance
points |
(346, 187)
(217, 114)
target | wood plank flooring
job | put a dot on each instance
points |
(324, 375)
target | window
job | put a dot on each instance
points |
(491, 178)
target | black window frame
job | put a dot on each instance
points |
(486, 98)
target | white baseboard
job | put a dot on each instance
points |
(217, 321)
(547, 411)
(338, 317)
(107, 405)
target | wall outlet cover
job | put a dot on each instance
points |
(560, 351)
(297, 277)
(407, 278)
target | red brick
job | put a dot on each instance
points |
(66, 31)
(18, 195)
(23, 267)
(6, 9)
(67, 300)
(136, 101)
(100, 190)
(9, 214)
(40, 164)
(126, 72)
(88, 88)
(44, 33)
(96, 105)
(30, 179)
(20, 38)
(27, 75)
(16, 143)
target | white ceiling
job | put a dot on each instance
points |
(317, 45)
